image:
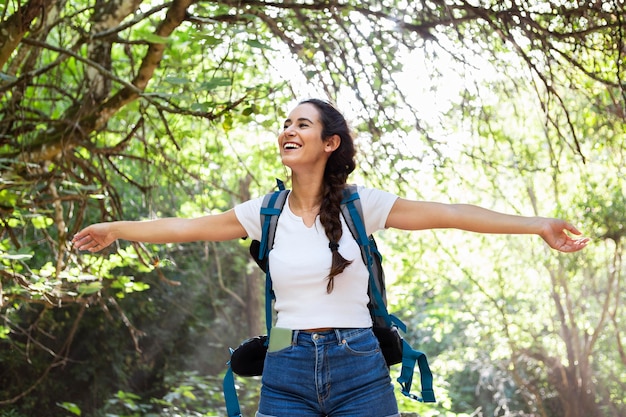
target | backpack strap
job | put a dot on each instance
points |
(352, 211)
(273, 204)
(270, 210)
(409, 357)
(230, 393)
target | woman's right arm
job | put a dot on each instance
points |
(214, 227)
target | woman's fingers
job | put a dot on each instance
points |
(84, 240)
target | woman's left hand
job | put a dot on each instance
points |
(554, 232)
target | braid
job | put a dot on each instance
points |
(330, 217)
(339, 165)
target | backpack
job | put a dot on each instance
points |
(394, 348)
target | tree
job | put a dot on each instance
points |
(100, 100)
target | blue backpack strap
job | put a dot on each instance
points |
(353, 214)
(409, 357)
(230, 394)
(270, 210)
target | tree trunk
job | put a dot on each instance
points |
(13, 30)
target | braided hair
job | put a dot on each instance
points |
(339, 165)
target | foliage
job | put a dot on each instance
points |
(136, 109)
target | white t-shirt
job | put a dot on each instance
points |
(300, 261)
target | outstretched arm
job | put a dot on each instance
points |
(216, 227)
(420, 215)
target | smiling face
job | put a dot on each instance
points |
(301, 143)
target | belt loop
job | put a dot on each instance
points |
(294, 337)
(339, 335)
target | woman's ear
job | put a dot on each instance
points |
(332, 143)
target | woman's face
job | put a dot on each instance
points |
(300, 142)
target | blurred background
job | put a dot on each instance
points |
(141, 109)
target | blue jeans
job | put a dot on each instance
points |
(335, 373)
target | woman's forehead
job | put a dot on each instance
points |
(304, 111)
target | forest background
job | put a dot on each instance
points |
(137, 109)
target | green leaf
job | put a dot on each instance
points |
(227, 124)
(177, 80)
(4, 332)
(41, 222)
(208, 40)
(71, 407)
(8, 198)
(256, 44)
(90, 288)
(216, 82)
(200, 107)
(139, 286)
(16, 256)
(152, 38)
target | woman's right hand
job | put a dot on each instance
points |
(94, 238)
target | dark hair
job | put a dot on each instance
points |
(340, 164)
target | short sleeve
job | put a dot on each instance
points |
(249, 215)
(376, 205)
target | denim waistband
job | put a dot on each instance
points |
(303, 337)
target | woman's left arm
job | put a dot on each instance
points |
(421, 215)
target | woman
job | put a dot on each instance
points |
(332, 365)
